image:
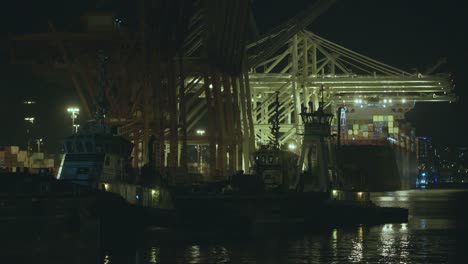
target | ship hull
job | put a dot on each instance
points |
(379, 168)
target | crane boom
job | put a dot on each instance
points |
(263, 48)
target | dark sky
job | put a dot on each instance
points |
(405, 34)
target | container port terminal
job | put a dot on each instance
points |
(286, 124)
(168, 76)
(230, 78)
(247, 131)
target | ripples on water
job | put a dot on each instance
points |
(435, 233)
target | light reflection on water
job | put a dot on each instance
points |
(430, 236)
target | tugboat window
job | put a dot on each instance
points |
(107, 161)
(89, 146)
(70, 147)
(83, 170)
(98, 148)
(79, 146)
(263, 159)
(270, 159)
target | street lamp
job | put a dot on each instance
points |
(74, 111)
(200, 153)
(29, 119)
(75, 127)
(39, 143)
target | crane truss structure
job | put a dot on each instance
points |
(185, 62)
(181, 61)
(307, 63)
(164, 71)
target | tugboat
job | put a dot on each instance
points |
(96, 157)
(287, 190)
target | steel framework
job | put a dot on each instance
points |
(187, 60)
(306, 62)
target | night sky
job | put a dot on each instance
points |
(411, 35)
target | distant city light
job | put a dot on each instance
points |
(385, 100)
(201, 132)
(390, 100)
(403, 100)
(291, 146)
(29, 102)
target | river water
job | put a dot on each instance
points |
(436, 233)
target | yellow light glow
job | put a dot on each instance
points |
(334, 193)
(106, 186)
(73, 110)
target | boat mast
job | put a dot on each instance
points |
(275, 127)
(100, 101)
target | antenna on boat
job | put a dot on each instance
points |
(275, 128)
(322, 103)
(101, 100)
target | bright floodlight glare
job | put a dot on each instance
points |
(200, 132)
(73, 110)
(403, 100)
(292, 146)
(74, 114)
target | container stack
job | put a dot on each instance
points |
(379, 129)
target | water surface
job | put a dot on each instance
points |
(436, 233)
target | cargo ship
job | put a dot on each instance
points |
(378, 148)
